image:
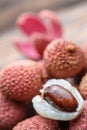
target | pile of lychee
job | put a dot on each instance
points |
(21, 80)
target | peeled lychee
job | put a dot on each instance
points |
(81, 122)
(37, 123)
(83, 86)
(21, 80)
(63, 59)
(10, 112)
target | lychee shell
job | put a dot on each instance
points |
(81, 122)
(21, 80)
(37, 123)
(10, 112)
(84, 49)
(83, 86)
(63, 59)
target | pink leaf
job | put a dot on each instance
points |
(41, 41)
(53, 25)
(30, 23)
(28, 50)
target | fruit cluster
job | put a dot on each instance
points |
(21, 81)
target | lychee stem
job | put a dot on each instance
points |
(70, 48)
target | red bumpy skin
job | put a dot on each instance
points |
(84, 49)
(37, 123)
(63, 59)
(83, 87)
(10, 112)
(21, 80)
(81, 122)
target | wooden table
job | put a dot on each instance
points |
(73, 19)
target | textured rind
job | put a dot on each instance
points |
(84, 49)
(21, 80)
(63, 59)
(10, 112)
(37, 123)
(83, 87)
(81, 122)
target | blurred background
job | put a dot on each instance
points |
(71, 13)
(10, 9)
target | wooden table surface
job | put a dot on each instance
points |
(73, 19)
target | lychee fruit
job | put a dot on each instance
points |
(63, 59)
(81, 122)
(84, 49)
(83, 87)
(21, 80)
(11, 112)
(37, 123)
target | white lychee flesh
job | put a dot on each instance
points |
(46, 110)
